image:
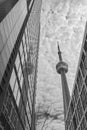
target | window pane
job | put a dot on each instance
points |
(24, 39)
(19, 72)
(21, 49)
(22, 59)
(26, 31)
(21, 81)
(15, 90)
(18, 98)
(17, 62)
(12, 79)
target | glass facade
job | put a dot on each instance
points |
(19, 45)
(77, 113)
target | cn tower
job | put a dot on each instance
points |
(62, 69)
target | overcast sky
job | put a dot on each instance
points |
(63, 21)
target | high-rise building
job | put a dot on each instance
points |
(62, 68)
(76, 118)
(19, 44)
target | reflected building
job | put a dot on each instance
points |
(76, 118)
(19, 45)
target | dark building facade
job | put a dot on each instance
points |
(76, 118)
(19, 45)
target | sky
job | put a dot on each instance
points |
(61, 21)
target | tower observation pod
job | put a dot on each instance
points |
(62, 69)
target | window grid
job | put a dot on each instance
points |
(84, 97)
(26, 70)
(9, 110)
(79, 105)
(22, 98)
(24, 83)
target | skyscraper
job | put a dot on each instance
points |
(19, 44)
(62, 68)
(76, 118)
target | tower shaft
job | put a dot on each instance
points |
(62, 68)
(65, 90)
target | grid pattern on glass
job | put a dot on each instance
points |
(76, 93)
(76, 117)
(84, 97)
(79, 80)
(83, 125)
(74, 122)
(21, 81)
(24, 98)
(71, 126)
(73, 101)
(24, 91)
(10, 111)
(18, 76)
(21, 92)
(82, 67)
(79, 110)
(86, 116)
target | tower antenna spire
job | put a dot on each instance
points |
(59, 52)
